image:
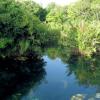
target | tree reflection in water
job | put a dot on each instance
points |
(17, 77)
(86, 69)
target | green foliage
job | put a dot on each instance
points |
(78, 25)
(84, 16)
(20, 25)
(57, 16)
(4, 42)
(86, 69)
(25, 24)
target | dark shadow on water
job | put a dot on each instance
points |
(18, 77)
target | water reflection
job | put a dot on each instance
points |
(86, 69)
(87, 73)
(18, 77)
(82, 80)
(67, 77)
(61, 84)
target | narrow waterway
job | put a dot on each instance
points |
(58, 84)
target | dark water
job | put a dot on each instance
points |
(50, 79)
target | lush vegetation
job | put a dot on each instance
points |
(79, 25)
(71, 33)
(19, 23)
(26, 27)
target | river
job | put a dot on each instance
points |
(58, 85)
